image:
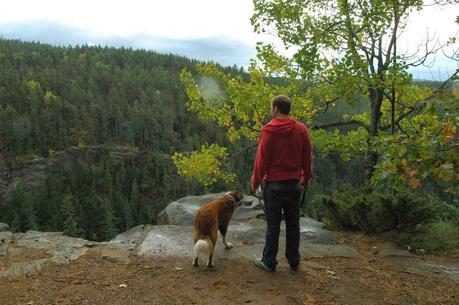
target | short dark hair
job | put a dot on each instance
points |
(283, 103)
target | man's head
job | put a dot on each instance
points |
(280, 106)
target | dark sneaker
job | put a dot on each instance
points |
(294, 265)
(259, 263)
(294, 268)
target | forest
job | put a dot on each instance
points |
(133, 118)
(126, 113)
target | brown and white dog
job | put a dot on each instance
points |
(211, 218)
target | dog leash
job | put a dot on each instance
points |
(303, 195)
(302, 198)
(259, 201)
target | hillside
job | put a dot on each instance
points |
(87, 134)
(94, 101)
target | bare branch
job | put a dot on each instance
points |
(454, 56)
(428, 51)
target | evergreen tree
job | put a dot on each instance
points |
(71, 219)
(108, 228)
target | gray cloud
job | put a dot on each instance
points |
(224, 51)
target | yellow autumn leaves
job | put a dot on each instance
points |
(204, 165)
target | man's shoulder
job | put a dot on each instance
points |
(301, 125)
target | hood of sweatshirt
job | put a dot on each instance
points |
(280, 126)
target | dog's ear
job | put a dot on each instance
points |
(238, 195)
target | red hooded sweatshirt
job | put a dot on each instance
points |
(284, 152)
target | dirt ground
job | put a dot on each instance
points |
(95, 279)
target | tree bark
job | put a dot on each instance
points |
(376, 97)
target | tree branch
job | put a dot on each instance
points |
(325, 105)
(231, 116)
(392, 40)
(421, 106)
(241, 151)
(343, 123)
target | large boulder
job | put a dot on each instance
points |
(181, 211)
(172, 235)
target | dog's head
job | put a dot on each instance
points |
(237, 197)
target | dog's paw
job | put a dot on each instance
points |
(210, 264)
(229, 246)
(195, 263)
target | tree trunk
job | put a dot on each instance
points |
(376, 97)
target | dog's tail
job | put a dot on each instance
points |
(202, 247)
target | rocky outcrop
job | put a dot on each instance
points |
(131, 237)
(32, 173)
(246, 232)
(180, 212)
(58, 248)
(5, 237)
(4, 227)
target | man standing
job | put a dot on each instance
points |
(284, 164)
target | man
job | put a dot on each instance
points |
(284, 164)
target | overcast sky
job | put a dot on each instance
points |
(217, 30)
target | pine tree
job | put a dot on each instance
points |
(72, 221)
(108, 228)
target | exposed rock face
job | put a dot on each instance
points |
(131, 237)
(5, 237)
(49, 241)
(59, 248)
(161, 241)
(30, 174)
(431, 269)
(4, 227)
(33, 173)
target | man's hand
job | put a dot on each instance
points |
(258, 192)
(304, 184)
(302, 187)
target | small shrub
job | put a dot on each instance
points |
(315, 209)
(422, 222)
(433, 236)
(372, 211)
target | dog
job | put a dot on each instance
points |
(211, 218)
